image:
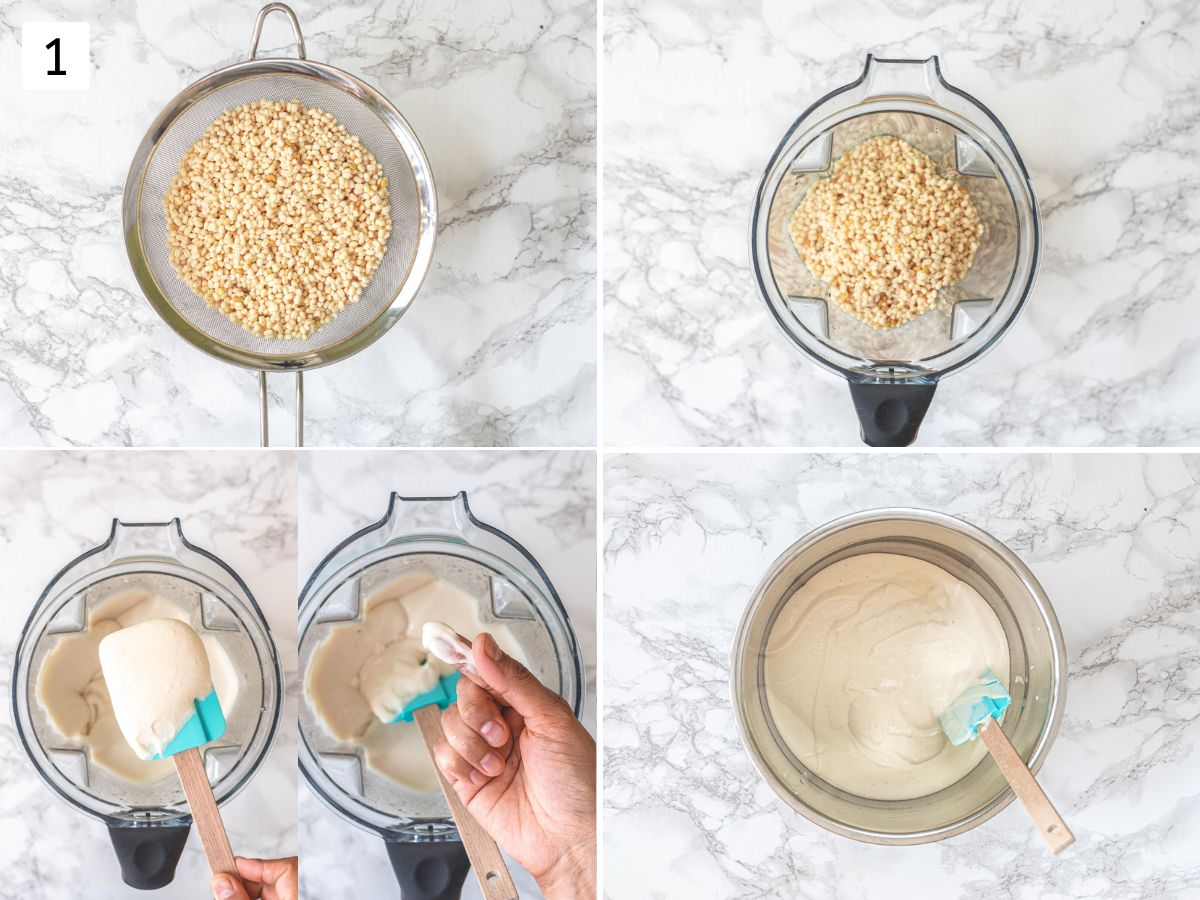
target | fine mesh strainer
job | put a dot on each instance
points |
(893, 373)
(365, 113)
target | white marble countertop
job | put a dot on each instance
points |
(239, 505)
(497, 349)
(1102, 102)
(546, 500)
(1111, 538)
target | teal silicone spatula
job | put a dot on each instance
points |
(436, 698)
(495, 882)
(976, 713)
(163, 700)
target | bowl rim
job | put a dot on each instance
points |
(988, 542)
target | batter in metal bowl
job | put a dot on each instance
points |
(862, 659)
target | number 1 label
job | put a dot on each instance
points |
(56, 56)
(58, 69)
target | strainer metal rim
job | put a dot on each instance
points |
(406, 289)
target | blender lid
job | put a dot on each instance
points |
(911, 100)
(438, 536)
(156, 558)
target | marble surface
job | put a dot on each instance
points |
(546, 500)
(1102, 101)
(239, 505)
(1111, 538)
(498, 348)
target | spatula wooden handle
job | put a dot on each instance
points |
(1049, 823)
(495, 882)
(205, 814)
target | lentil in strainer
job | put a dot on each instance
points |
(278, 217)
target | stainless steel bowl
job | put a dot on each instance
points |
(1037, 682)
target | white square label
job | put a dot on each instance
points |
(56, 56)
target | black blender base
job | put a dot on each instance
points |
(429, 870)
(149, 854)
(890, 414)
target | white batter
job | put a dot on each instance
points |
(155, 672)
(367, 670)
(72, 691)
(449, 646)
(861, 661)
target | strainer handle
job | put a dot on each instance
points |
(258, 27)
(264, 434)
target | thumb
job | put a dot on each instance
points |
(226, 887)
(516, 685)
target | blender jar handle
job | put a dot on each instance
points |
(148, 854)
(166, 540)
(901, 77)
(429, 870)
(453, 515)
(440, 514)
(138, 538)
(921, 79)
(890, 413)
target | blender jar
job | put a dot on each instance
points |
(1037, 673)
(892, 374)
(149, 823)
(441, 537)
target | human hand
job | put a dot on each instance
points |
(262, 879)
(525, 768)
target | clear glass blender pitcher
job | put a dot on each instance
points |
(437, 536)
(892, 374)
(149, 823)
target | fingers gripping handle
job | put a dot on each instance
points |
(495, 882)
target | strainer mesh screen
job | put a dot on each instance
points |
(357, 118)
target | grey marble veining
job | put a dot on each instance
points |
(546, 500)
(1103, 102)
(240, 505)
(1111, 538)
(499, 346)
